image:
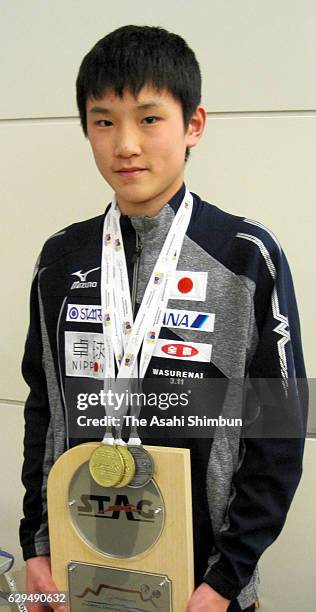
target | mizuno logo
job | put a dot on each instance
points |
(83, 275)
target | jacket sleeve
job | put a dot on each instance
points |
(33, 527)
(270, 466)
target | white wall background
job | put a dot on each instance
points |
(257, 158)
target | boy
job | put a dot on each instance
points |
(138, 94)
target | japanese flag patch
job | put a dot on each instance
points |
(188, 285)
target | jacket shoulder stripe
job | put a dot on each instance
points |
(263, 250)
(282, 328)
(265, 229)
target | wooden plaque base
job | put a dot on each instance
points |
(173, 552)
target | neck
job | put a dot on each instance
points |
(151, 207)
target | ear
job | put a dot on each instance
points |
(196, 126)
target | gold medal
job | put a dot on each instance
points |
(129, 464)
(106, 465)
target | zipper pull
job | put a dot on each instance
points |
(138, 249)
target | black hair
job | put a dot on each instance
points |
(133, 56)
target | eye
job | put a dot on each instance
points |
(150, 120)
(103, 123)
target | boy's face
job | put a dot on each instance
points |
(139, 146)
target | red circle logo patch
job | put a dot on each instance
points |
(179, 350)
(185, 285)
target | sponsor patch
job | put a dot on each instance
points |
(181, 319)
(176, 373)
(189, 319)
(84, 354)
(83, 275)
(189, 351)
(83, 283)
(84, 313)
(188, 285)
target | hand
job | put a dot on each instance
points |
(205, 599)
(39, 580)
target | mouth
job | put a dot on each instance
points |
(131, 172)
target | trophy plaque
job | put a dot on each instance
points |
(127, 548)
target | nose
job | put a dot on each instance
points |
(127, 143)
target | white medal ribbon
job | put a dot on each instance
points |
(122, 336)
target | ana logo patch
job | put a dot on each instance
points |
(189, 319)
(189, 285)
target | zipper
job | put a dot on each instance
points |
(136, 262)
(60, 371)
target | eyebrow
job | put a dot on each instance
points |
(105, 111)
